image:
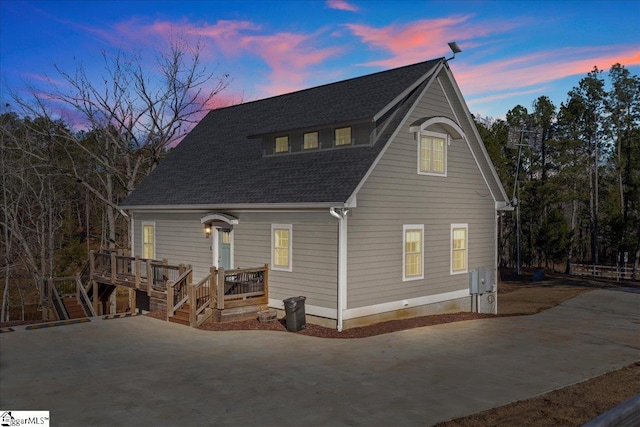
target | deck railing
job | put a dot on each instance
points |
(241, 287)
(134, 272)
(219, 290)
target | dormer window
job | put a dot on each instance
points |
(282, 144)
(310, 140)
(432, 154)
(343, 136)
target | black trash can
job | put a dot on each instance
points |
(294, 313)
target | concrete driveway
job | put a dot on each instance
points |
(140, 371)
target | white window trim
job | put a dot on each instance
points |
(466, 264)
(405, 228)
(144, 224)
(288, 227)
(446, 151)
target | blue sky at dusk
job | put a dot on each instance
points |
(513, 51)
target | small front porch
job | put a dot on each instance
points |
(224, 295)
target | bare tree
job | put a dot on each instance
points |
(30, 209)
(134, 113)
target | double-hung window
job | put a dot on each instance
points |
(432, 154)
(413, 252)
(148, 240)
(459, 248)
(281, 244)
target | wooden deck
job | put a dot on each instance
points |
(171, 286)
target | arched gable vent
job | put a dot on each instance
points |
(452, 128)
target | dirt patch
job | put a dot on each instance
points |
(569, 406)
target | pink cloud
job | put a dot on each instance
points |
(538, 68)
(289, 55)
(341, 5)
(423, 39)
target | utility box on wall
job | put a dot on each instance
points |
(481, 281)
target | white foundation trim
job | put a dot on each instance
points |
(329, 313)
(353, 313)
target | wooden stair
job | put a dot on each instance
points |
(74, 309)
(181, 316)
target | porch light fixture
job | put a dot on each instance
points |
(207, 230)
(454, 48)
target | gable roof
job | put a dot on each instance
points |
(221, 162)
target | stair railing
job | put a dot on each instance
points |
(56, 302)
(84, 300)
(177, 292)
(201, 296)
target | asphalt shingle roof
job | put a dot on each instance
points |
(217, 163)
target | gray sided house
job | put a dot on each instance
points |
(374, 197)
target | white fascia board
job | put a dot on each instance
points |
(352, 198)
(464, 136)
(465, 108)
(238, 206)
(432, 72)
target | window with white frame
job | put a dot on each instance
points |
(343, 136)
(432, 154)
(148, 240)
(459, 248)
(281, 244)
(413, 252)
(310, 140)
(282, 144)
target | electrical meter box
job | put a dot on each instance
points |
(481, 281)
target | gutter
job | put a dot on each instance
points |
(341, 215)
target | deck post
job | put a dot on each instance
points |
(113, 268)
(193, 304)
(149, 277)
(92, 272)
(266, 282)
(50, 308)
(132, 301)
(213, 287)
(137, 266)
(220, 289)
(170, 301)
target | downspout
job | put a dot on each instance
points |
(341, 215)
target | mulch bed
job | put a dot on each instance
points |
(322, 332)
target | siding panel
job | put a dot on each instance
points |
(394, 194)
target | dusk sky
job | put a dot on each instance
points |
(513, 51)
